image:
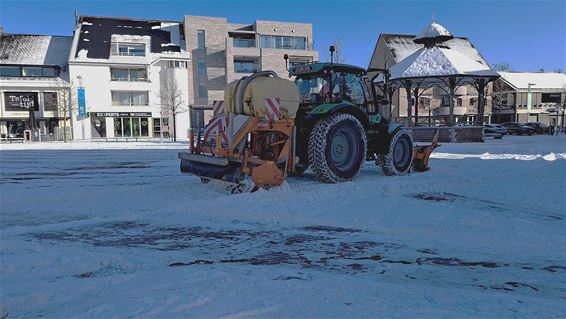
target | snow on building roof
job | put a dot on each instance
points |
(435, 61)
(433, 32)
(34, 49)
(521, 80)
(402, 45)
(96, 33)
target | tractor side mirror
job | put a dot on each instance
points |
(286, 58)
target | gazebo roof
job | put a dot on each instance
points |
(433, 33)
(439, 62)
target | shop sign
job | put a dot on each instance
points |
(82, 101)
(21, 101)
(121, 114)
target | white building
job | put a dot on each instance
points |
(130, 72)
(530, 97)
(33, 78)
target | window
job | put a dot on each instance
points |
(133, 75)
(32, 71)
(177, 64)
(354, 92)
(131, 126)
(244, 43)
(473, 101)
(201, 39)
(20, 101)
(201, 69)
(298, 61)
(283, 42)
(130, 98)
(50, 101)
(550, 98)
(243, 66)
(29, 71)
(202, 92)
(10, 70)
(128, 49)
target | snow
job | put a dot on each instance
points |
(86, 23)
(435, 61)
(521, 80)
(433, 30)
(104, 230)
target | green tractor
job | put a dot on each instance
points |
(327, 120)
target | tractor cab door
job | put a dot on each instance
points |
(354, 91)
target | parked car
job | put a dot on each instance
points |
(490, 131)
(538, 127)
(518, 128)
(497, 128)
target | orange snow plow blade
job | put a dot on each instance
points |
(421, 154)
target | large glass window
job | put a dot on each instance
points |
(202, 91)
(128, 49)
(283, 42)
(130, 98)
(177, 64)
(32, 71)
(29, 71)
(201, 39)
(201, 69)
(245, 66)
(50, 101)
(133, 75)
(131, 126)
(6, 70)
(244, 43)
(550, 98)
(354, 92)
(98, 127)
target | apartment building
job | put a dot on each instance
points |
(433, 104)
(130, 77)
(34, 85)
(223, 52)
(530, 97)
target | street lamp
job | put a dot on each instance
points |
(529, 100)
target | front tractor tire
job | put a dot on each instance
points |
(337, 148)
(398, 158)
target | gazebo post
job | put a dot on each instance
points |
(480, 87)
(407, 84)
(416, 94)
(451, 93)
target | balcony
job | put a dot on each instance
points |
(445, 110)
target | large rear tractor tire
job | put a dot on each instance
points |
(399, 154)
(337, 148)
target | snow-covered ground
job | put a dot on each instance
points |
(121, 233)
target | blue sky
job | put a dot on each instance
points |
(529, 35)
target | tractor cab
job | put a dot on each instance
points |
(330, 83)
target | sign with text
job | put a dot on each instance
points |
(121, 114)
(82, 101)
(21, 101)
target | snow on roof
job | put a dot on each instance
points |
(34, 49)
(402, 45)
(521, 80)
(433, 32)
(435, 61)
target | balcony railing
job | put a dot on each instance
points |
(244, 43)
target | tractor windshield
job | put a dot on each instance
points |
(313, 88)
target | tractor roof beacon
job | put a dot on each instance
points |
(334, 130)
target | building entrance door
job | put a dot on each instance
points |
(131, 126)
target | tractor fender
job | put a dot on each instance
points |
(394, 127)
(327, 109)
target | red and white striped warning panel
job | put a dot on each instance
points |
(272, 109)
(217, 107)
(220, 124)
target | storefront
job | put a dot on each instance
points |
(121, 124)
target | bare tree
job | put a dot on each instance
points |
(172, 101)
(65, 104)
(339, 56)
(502, 67)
